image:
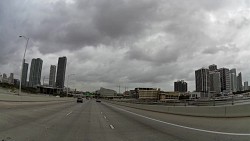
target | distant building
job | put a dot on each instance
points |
(11, 78)
(52, 76)
(212, 67)
(168, 96)
(25, 74)
(225, 80)
(239, 82)
(246, 86)
(35, 72)
(134, 94)
(1, 78)
(147, 93)
(215, 82)
(233, 80)
(61, 70)
(48, 90)
(202, 81)
(16, 82)
(233, 71)
(195, 95)
(5, 78)
(108, 93)
(180, 86)
(127, 94)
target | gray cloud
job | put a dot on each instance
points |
(74, 26)
(136, 43)
(229, 47)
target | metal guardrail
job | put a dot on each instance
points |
(217, 102)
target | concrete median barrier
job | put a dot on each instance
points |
(203, 111)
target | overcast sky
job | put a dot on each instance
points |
(134, 43)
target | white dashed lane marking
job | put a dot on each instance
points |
(69, 113)
(111, 126)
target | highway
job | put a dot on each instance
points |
(93, 121)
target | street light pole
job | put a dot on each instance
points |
(21, 74)
(68, 83)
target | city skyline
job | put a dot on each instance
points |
(32, 76)
(212, 74)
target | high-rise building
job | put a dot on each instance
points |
(52, 75)
(233, 81)
(215, 82)
(233, 71)
(35, 72)
(25, 73)
(212, 67)
(11, 78)
(239, 82)
(61, 70)
(1, 78)
(225, 79)
(246, 86)
(202, 81)
(5, 78)
(180, 86)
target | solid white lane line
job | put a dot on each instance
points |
(185, 127)
(69, 113)
(111, 126)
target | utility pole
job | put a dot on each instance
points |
(23, 59)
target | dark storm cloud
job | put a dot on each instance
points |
(8, 31)
(123, 18)
(73, 26)
(166, 54)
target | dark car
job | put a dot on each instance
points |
(98, 100)
(79, 100)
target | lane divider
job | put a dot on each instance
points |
(181, 126)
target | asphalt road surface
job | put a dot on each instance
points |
(93, 121)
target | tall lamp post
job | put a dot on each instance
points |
(20, 84)
(68, 83)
